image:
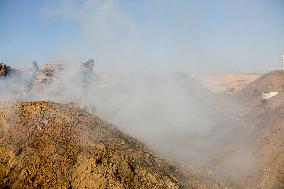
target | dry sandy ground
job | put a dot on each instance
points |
(49, 145)
(227, 82)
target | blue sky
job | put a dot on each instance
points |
(150, 35)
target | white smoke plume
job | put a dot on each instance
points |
(170, 112)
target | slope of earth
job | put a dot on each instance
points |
(267, 129)
(49, 145)
(179, 118)
(269, 143)
(273, 81)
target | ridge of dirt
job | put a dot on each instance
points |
(50, 145)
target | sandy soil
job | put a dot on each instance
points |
(48, 145)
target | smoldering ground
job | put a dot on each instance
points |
(171, 113)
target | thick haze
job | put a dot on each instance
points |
(148, 36)
(171, 113)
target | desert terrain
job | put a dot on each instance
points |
(227, 82)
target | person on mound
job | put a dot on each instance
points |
(87, 71)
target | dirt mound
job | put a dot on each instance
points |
(267, 129)
(273, 81)
(267, 141)
(50, 145)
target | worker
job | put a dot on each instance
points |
(35, 71)
(3, 69)
(87, 77)
(7, 71)
(35, 67)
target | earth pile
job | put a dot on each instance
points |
(49, 145)
(267, 129)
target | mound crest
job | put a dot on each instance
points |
(273, 81)
(51, 145)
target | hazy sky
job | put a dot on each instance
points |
(150, 35)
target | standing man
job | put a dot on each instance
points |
(87, 77)
(35, 67)
(33, 76)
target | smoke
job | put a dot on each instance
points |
(104, 32)
(158, 36)
(177, 117)
(171, 112)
